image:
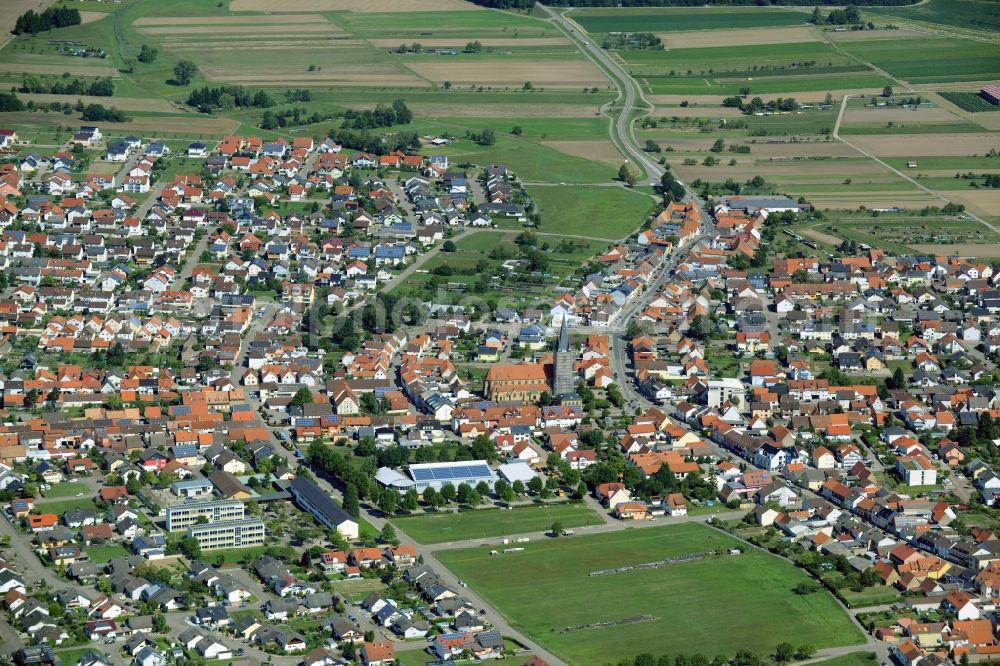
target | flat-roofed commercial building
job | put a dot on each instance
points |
(181, 516)
(310, 498)
(229, 534)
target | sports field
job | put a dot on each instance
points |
(715, 606)
(488, 523)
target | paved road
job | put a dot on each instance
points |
(630, 95)
(630, 105)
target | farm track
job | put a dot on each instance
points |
(904, 176)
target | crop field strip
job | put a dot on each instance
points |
(603, 20)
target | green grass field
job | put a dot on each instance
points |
(488, 523)
(761, 85)
(70, 656)
(957, 127)
(772, 58)
(68, 489)
(646, 19)
(714, 606)
(104, 554)
(602, 212)
(61, 506)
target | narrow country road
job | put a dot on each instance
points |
(629, 94)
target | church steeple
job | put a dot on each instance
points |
(563, 345)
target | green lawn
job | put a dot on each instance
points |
(70, 656)
(234, 555)
(61, 506)
(602, 212)
(357, 588)
(487, 523)
(714, 606)
(104, 554)
(67, 489)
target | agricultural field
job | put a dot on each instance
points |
(489, 523)
(648, 19)
(908, 233)
(729, 602)
(710, 54)
(969, 101)
(980, 15)
(927, 59)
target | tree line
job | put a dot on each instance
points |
(380, 116)
(228, 97)
(757, 105)
(272, 120)
(98, 112)
(32, 23)
(104, 87)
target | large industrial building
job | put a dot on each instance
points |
(229, 534)
(181, 516)
(436, 475)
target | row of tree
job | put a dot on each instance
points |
(847, 16)
(103, 87)
(99, 112)
(757, 105)
(380, 116)
(31, 22)
(272, 120)
(228, 97)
